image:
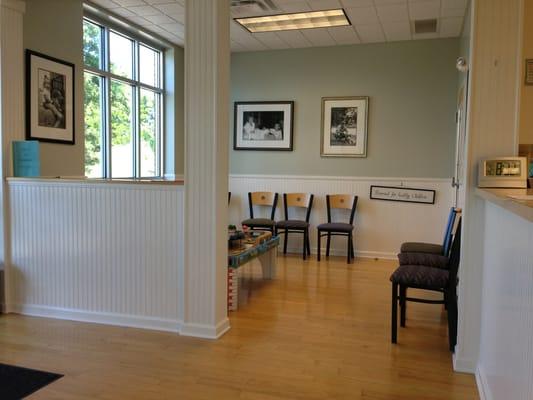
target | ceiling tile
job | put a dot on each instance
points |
(454, 3)
(145, 11)
(451, 27)
(109, 4)
(393, 13)
(422, 36)
(250, 42)
(294, 39)
(160, 19)
(319, 37)
(362, 15)
(452, 12)
(344, 35)
(174, 28)
(426, 9)
(123, 12)
(395, 31)
(128, 3)
(178, 17)
(294, 6)
(271, 40)
(172, 8)
(370, 33)
(324, 4)
(140, 21)
(357, 3)
(237, 47)
(388, 2)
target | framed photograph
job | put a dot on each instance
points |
(49, 99)
(344, 126)
(265, 125)
(403, 194)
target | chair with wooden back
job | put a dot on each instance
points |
(329, 229)
(290, 201)
(262, 199)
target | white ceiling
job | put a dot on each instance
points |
(372, 21)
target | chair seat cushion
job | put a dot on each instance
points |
(420, 276)
(292, 224)
(259, 222)
(426, 259)
(417, 247)
(335, 227)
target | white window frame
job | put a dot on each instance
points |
(106, 77)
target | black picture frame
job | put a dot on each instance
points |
(55, 121)
(254, 109)
(402, 199)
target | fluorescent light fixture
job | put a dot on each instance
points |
(301, 20)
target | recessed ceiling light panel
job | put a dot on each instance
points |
(302, 20)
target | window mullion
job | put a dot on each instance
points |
(108, 128)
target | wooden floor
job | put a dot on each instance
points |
(319, 331)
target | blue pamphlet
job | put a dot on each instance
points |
(26, 159)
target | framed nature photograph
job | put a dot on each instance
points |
(49, 99)
(265, 125)
(344, 126)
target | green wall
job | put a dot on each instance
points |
(53, 27)
(412, 88)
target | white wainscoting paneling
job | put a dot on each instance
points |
(108, 253)
(381, 226)
(505, 367)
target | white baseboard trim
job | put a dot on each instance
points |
(342, 253)
(205, 331)
(131, 321)
(464, 365)
(482, 385)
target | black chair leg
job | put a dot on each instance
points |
(308, 244)
(452, 319)
(353, 248)
(285, 241)
(349, 249)
(327, 244)
(403, 305)
(394, 314)
(318, 247)
(304, 247)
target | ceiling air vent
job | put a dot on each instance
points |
(425, 26)
(253, 7)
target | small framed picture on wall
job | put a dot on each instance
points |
(344, 126)
(49, 99)
(263, 125)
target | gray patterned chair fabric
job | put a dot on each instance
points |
(292, 224)
(420, 276)
(426, 259)
(417, 247)
(335, 227)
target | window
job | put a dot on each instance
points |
(123, 104)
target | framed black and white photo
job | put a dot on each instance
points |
(49, 99)
(344, 126)
(265, 125)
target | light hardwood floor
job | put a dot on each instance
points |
(319, 331)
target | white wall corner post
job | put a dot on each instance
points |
(207, 57)
(11, 119)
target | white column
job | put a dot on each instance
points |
(11, 112)
(207, 55)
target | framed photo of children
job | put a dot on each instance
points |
(49, 99)
(344, 126)
(263, 125)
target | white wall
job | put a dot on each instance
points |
(381, 226)
(505, 368)
(109, 253)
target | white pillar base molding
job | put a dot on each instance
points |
(207, 57)
(11, 114)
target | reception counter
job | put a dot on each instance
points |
(505, 365)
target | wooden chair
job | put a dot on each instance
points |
(300, 200)
(442, 280)
(338, 201)
(266, 199)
